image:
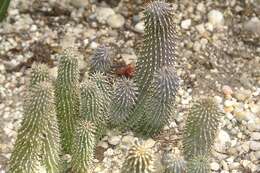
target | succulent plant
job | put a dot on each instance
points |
(145, 104)
(101, 61)
(67, 94)
(84, 147)
(37, 143)
(201, 128)
(157, 109)
(158, 48)
(124, 99)
(140, 159)
(198, 164)
(92, 106)
(173, 162)
(39, 73)
(154, 67)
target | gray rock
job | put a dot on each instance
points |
(216, 18)
(255, 136)
(242, 94)
(257, 155)
(185, 24)
(114, 140)
(214, 166)
(103, 144)
(253, 25)
(128, 140)
(140, 27)
(254, 145)
(222, 140)
(103, 13)
(129, 58)
(201, 7)
(116, 21)
(80, 3)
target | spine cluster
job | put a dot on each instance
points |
(139, 160)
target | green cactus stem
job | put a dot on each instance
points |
(201, 128)
(37, 143)
(84, 147)
(158, 44)
(173, 162)
(92, 106)
(4, 4)
(39, 73)
(67, 93)
(158, 51)
(123, 101)
(157, 109)
(198, 164)
(101, 61)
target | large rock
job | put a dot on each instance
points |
(216, 18)
(103, 13)
(116, 21)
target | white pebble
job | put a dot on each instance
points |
(214, 166)
(140, 27)
(216, 18)
(114, 140)
(254, 145)
(103, 13)
(185, 24)
(255, 136)
(116, 21)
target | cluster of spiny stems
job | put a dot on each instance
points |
(69, 116)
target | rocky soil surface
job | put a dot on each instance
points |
(219, 43)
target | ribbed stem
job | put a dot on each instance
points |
(92, 106)
(39, 73)
(198, 164)
(84, 147)
(158, 52)
(158, 46)
(157, 110)
(4, 4)
(201, 128)
(101, 61)
(123, 101)
(67, 94)
(173, 162)
(37, 143)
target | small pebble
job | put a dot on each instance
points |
(254, 145)
(214, 166)
(140, 27)
(216, 18)
(253, 25)
(116, 21)
(227, 90)
(103, 13)
(255, 136)
(114, 140)
(185, 24)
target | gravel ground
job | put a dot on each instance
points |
(219, 57)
